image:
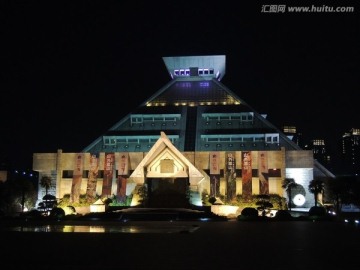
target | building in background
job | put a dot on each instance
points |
(291, 132)
(351, 152)
(193, 134)
(320, 152)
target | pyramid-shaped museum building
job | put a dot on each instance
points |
(193, 135)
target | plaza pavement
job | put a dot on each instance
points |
(280, 245)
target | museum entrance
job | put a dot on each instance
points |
(168, 192)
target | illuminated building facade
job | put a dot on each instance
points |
(194, 133)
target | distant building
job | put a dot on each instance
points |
(320, 152)
(7, 172)
(317, 146)
(193, 134)
(291, 132)
(351, 152)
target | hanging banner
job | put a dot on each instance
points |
(77, 177)
(214, 174)
(246, 173)
(214, 163)
(108, 173)
(92, 178)
(230, 176)
(121, 189)
(263, 173)
(123, 164)
(123, 172)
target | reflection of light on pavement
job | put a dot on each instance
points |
(299, 199)
(68, 229)
(165, 228)
(97, 229)
(133, 230)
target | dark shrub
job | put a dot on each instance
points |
(249, 212)
(283, 215)
(57, 213)
(317, 211)
(33, 214)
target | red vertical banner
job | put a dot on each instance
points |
(92, 178)
(123, 165)
(108, 173)
(214, 163)
(230, 175)
(123, 172)
(214, 174)
(121, 189)
(263, 173)
(77, 177)
(246, 173)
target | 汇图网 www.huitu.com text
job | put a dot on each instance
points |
(306, 9)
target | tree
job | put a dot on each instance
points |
(288, 184)
(15, 195)
(316, 187)
(339, 192)
(345, 190)
(45, 182)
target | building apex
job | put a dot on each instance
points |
(204, 67)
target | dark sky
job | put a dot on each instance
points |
(72, 69)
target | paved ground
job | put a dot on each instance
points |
(210, 245)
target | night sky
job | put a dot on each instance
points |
(72, 69)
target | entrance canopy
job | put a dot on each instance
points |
(164, 160)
